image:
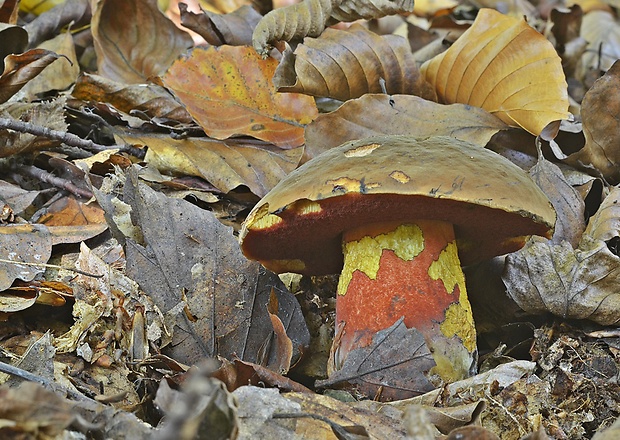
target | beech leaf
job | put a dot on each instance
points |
(19, 69)
(506, 67)
(375, 114)
(310, 17)
(229, 91)
(134, 40)
(346, 64)
(224, 165)
(601, 127)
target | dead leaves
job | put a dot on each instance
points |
(228, 90)
(506, 67)
(310, 17)
(348, 64)
(128, 39)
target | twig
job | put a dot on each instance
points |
(56, 181)
(67, 138)
(51, 266)
(27, 375)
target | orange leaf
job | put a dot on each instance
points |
(228, 90)
(506, 67)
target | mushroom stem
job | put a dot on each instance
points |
(408, 270)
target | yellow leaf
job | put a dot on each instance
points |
(506, 67)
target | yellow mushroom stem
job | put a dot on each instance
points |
(412, 271)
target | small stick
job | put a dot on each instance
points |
(51, 266)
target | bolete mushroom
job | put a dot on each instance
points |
(389, 213)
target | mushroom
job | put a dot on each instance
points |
(396, 216)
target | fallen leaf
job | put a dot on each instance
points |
(283, 344)
(234, 28)
(134, 40)
(57, 76)
(310, 17)
(14, 39)
(572, 284)
(192, 268)
(506, 67)
(19, 69)
(238, 374)
(229, 91)
(346, 64)
(601, 128)
(382, 364)
(26, 243)
(151, 100)
(602, 31)
(567, 202)
(398, 114)
(31, 410)
(226, 165)
(605, 225)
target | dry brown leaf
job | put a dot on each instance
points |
(346, 64)
(151, 99)
(506, 67)
(134, 40)
(283, 344)
(383, 362)
(29, 244)
(234, 28)
(399, 114)
(60, 75)
(310, 17)
(19, 69)
(605, 225)
(14, 40)
(573, 284)
(601, 128)
(224, 165)
(191, 266)
(229, 91)
(76, 13)
(566, 201)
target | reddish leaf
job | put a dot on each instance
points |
(19, 69)
(229, 91)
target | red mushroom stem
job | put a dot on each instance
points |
(411, 270)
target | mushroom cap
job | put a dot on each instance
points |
(492, 203)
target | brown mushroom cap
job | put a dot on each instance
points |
(493, 204)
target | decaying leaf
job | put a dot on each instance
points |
(391, 351)
(191, 266)
(375, 114)
(151, 99)
(506, 67)
(229, 91)
(224, 165)
(134, 40)
(605, 225)
(234, 28)
(19, 69)
(239, 373)
(601, 128)
(566, 201)
(345, 64)
(310, 17)
(23, 250)
(570, 283)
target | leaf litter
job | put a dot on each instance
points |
(128, 309)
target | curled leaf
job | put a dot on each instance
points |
(310, 17)
(19, 69)
(346, 64)
(605, 225)
(506, 67)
